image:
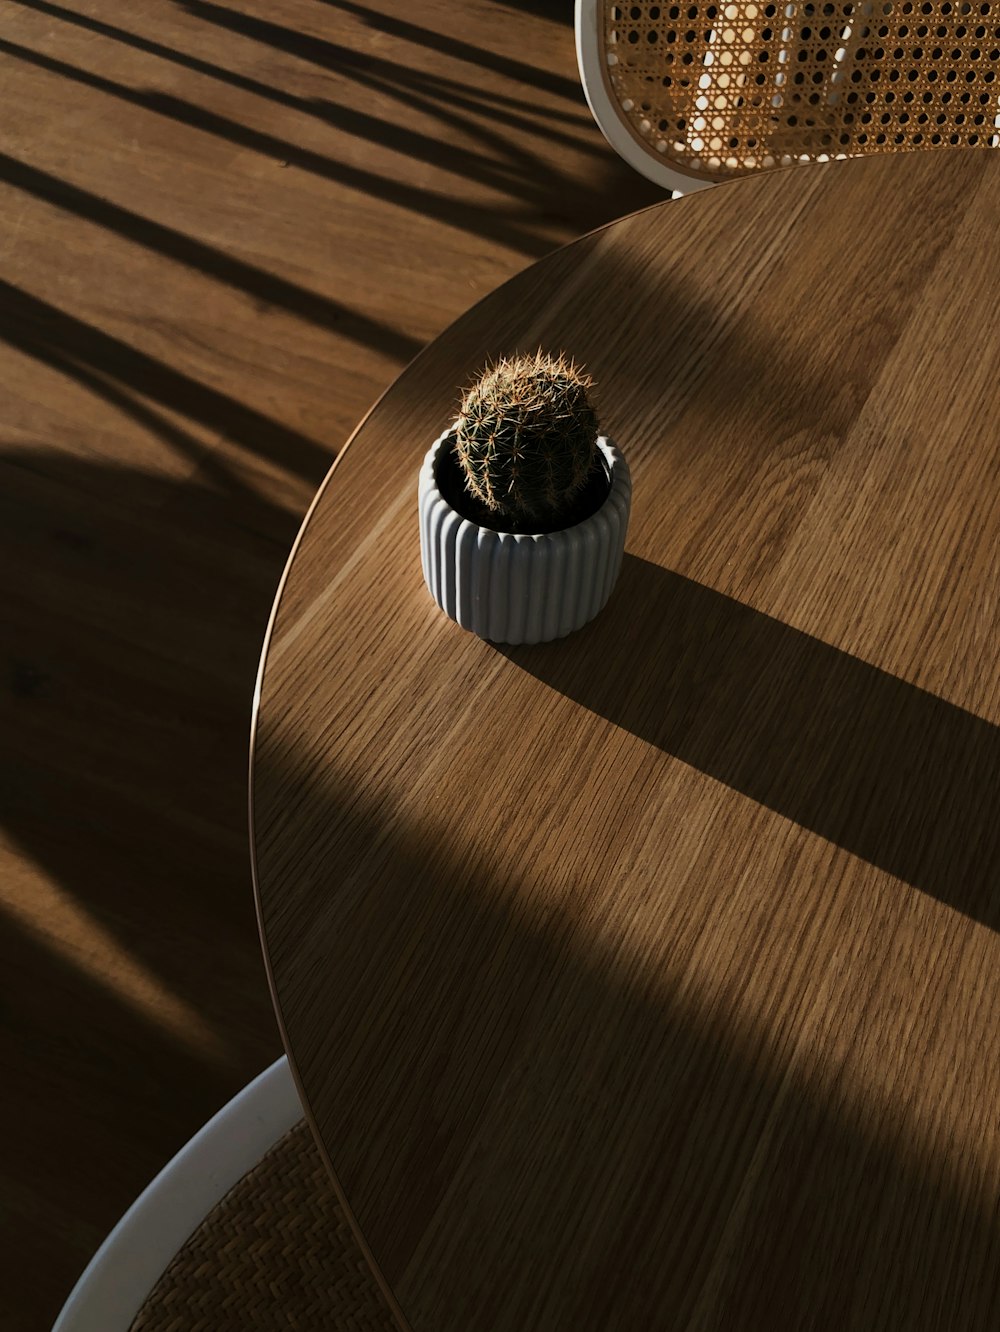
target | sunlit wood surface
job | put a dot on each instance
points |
(224, 229)
(649, 979)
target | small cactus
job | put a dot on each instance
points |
(526, 438)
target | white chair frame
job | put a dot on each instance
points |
(120, 1276)
(593, 77)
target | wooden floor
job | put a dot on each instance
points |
(224, 228)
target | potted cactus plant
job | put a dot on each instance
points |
(524, 505)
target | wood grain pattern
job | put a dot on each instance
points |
(224, 229)
(649, 979)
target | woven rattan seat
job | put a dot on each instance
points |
(707, 91)
(276, 1252)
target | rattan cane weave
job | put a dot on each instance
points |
(724, 89)
(276, 1252)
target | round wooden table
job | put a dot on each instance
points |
(650, 979)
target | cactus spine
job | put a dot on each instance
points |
(527, 437)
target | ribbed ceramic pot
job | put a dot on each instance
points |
(514, 588)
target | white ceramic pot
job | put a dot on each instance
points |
(512, 588)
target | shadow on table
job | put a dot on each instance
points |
(467, 1042)
(893, 774)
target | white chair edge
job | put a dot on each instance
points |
(606, 113)
(123, 1271)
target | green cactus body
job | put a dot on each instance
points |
(527, 437)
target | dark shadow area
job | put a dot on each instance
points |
(134, 617)
(631, 1157)
(94, 358)
(391, 73)
(891, 773)
(442, 97)
(183, 59)
(498, 161)
(478, 219)
(557, 11)
(335, 56)
(96, 1099)
(265, 287)
(133, 611)
(405, 82)
(531, 75)
(134, 608)
(401, 81)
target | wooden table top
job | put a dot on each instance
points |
(649, 979)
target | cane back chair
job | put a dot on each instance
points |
(694, 93)
(241, 1232)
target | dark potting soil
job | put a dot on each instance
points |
(451, 483)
